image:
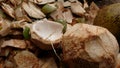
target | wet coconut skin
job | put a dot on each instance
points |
(109, 17)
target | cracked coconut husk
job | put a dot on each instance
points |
(89, 43)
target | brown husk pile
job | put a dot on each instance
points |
(18, 52)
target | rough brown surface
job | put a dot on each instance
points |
(90, 43)
(26, 59)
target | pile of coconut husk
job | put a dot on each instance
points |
(54, 34)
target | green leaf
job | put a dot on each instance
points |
(48, 8)
(64, 23)
(26, 33)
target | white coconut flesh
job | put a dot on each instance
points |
(48, 30)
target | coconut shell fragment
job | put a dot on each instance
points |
(90, 45)
(77, 9)
(32, 10)
(8, 9)
(26, 59)
(15, 43)
(45, 32)
(5, 27)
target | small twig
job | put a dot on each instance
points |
(55, 51)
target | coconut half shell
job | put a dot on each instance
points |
(45, 32)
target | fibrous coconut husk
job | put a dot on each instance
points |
(90, 45)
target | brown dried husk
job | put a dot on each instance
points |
(92, 45)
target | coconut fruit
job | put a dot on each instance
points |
(109, 17)
(45, 32)
(89, 46)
